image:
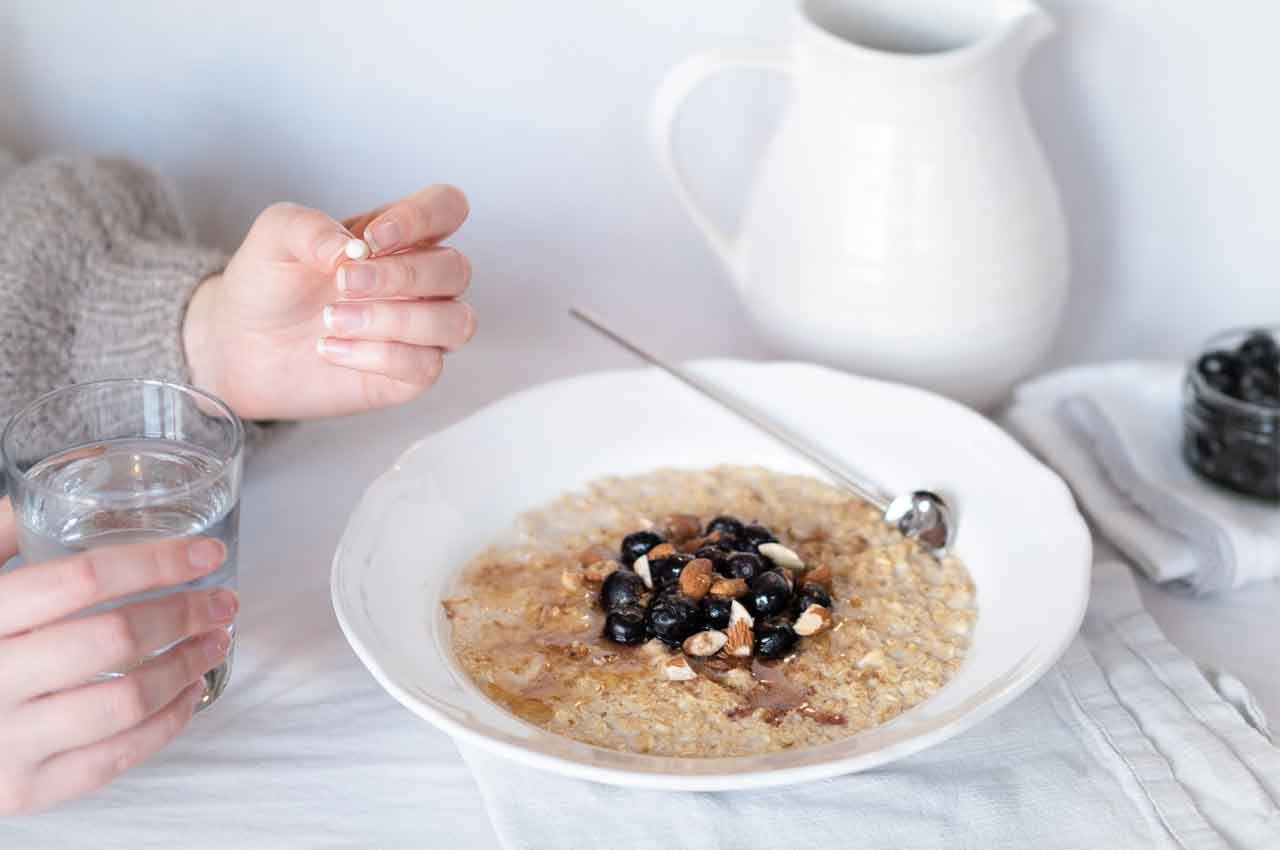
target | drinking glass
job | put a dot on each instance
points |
(119, 461)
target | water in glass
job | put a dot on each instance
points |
(98, 496)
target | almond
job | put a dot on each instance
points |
(680, 527)
(820, 575)
(739, 640)
(781, 556)
(678, 670)
(731, 587)
(704, 644)
(695, 578)
(738, 614)
(814, 619)
(641, 567)
(790, 577)
(662, 550)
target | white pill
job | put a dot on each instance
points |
(356, 249)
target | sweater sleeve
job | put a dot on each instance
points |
(96, 269)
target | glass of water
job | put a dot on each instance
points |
(120, 461)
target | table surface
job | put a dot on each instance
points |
(305, 748)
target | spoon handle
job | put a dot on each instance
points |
(846, 477)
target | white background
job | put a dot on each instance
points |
(1160, 118)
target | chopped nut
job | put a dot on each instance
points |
(739, 640)
(731, 587)
(789, 576)
(704, 644)
(820, 575)
(738, 614)
(695, 578)
(655, 648)
(814, 619)
(678, 670)
(597, 572)
(874, 658)
(680, 527)
(662, 550)
(641, 567)
(781, 556)
(571, 580)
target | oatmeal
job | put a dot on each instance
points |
(720, 612)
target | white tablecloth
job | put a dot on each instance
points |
(304, 749)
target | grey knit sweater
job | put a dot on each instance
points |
(96, 269)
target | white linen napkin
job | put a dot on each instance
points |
(1114, 433)
(1122, 744)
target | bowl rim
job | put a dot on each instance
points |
(1037, 661)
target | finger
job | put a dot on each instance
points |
(78, 717)
(287, 231)
(425, 273)
(443, 324)
(43, 593)
(71, 653)
(8, 531)
(77, 772)
(416, 365)
(426, 216)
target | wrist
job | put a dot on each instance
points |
(199, 336)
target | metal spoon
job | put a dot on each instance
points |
(921, 514)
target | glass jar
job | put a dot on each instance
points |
(1231, 412)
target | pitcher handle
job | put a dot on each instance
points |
(667, 103)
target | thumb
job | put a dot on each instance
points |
(292, 232)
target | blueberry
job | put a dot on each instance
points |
(625, 625)
(768, 594)
(665, 571)
(753, 535)
(1220, 370)
(1260, 349)
(774, 638)
(1259, 386)
(715, 554)
(730, 526)
(744, 565)
(673, 618)
(635, 545)
(621, 588)
(715, 611)
(810, 594)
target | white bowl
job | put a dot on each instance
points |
(1020, 535)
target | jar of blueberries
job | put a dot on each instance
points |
(1231, 412)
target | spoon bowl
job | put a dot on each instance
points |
(924, 516)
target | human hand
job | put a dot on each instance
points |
(61, 735)
(294, 329)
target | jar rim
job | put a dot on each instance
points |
(1210, 393)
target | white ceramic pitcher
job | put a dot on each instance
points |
(904, 223)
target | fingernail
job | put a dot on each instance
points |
(215, 646)
(357, 278)
(205, 554)
(344, 318)
(334, 349)
(222, 605)
(331, 247)
(383, 236)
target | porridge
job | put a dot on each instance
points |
(720, 612)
